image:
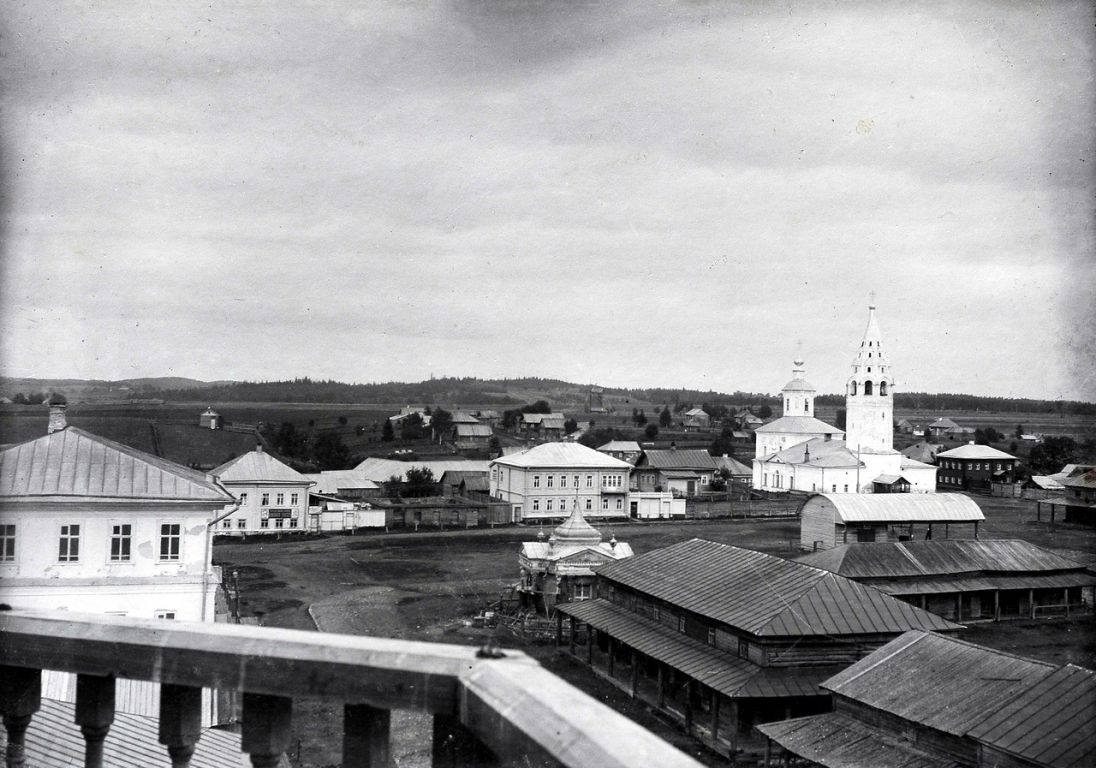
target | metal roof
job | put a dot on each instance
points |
(334, 480)
(53, 741)
(474, 430)
(765, 595)
(257, 466)
(974, 452)
(380, 470)
(918, 585)
(74, 463)
(685, 458)
(1052, 723)
(933, 558)
(837, 740)
(562, 456)
(461, 417)
(898, 507)
(937, 681)
(732, 465)
(803, 425)
(1085, 479)
(1046, 482)
(817, 452)
(620, 445)
(719, 670)
(943, 423)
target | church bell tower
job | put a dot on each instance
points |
(869, 397)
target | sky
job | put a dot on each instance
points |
(630, 194)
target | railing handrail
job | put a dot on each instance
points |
(511, 704)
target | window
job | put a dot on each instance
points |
(266, 499)
(834, 490)
(294, 498)
(264, 523)
(536, 505)
(68, 550)
(582, 592)
(548, 505)
(280, 499)
(120, 538)
(867, 387)
(241, 524)
(852, 387)
(162, 614)
(846, 487)
(292, 522)
(7, 543)
(170, 535)
(882, 388)
(605, 504)
(243, 499)
(536, 481)
(620, 504)
(563, 481)
(279, 522)
(998, 466)
(549, 480)
(711, 635)
(680, 623)
(226, 523)
(743, 649)
(589, 481)
(589, 504)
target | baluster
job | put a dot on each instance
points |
(94, 714)
(265, 733)
(454, 746)
(365, 736)
(20, 698)
(180, 721)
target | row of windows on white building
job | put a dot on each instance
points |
(778, 482)
(588, 506)
(121, 543)
(279, 499)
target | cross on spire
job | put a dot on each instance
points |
(871, 299)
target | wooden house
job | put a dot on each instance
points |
(1078, 499)
(696, 418)
(967, 580)
(829, 519)
(973, 467)
(722, 637)
(685, 471)
(932, 701)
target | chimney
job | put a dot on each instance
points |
(259, 448)
(57, 420)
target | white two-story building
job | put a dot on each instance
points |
(273, 497)
(553, 479)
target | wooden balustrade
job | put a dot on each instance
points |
(486, 709)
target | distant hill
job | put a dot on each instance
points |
(100, 390)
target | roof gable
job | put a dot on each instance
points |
(562, 456)
(257, 466)
(74, 463)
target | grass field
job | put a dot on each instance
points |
(423, 586)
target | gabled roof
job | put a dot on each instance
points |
(334, 480)
(922, 451)
(975, 452)
(936, 681)
(898, 507)
(765, 595)
(1046, 482)
(380, 470)
(731, 464)
(800, 425)
(73, 463)
(696, 412)
(462, 417)
(937, 558)
(561, 456)
(626, 446)
(474, 430)
(257, 466)
(943, 423)
(684, 458)
(1052, 723)
(1081, 479)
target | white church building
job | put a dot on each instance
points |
(799, 452)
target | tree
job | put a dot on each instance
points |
(19, 398)
(569, 426)
(764, 412)
(330, 452)
(665, 418)
(722, 445)
(388, 434)
(392, 486)
(841, 418)
(420, 482)
(651, 432)
(1019, 432)
(495, 445)
(342, 421)
(411, 427)
(640, 419)
(441, 422)
(540, 406)
(1052, 454)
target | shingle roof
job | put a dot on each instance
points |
(257, 466)
(937, 681)
(685, 458)
(1086, 479)
(802, 425)
(974, 452)
(1051, 723)
(899, 507)
(837, 740)
(763, 594)
(562, 455)
(75, 463)
(932, 558)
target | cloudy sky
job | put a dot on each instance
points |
(634, 194)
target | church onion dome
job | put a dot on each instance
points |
(798, 383)
(575, 530)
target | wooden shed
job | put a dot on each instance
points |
(829, 519)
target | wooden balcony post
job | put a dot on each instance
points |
(715, 716)
(265, 733)
(20, 698)
(635, 672)
(589, 645)
(94, 715)
(180, 721)
(612, 656)
(572, 636)
(454, 746)
(365, 736)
